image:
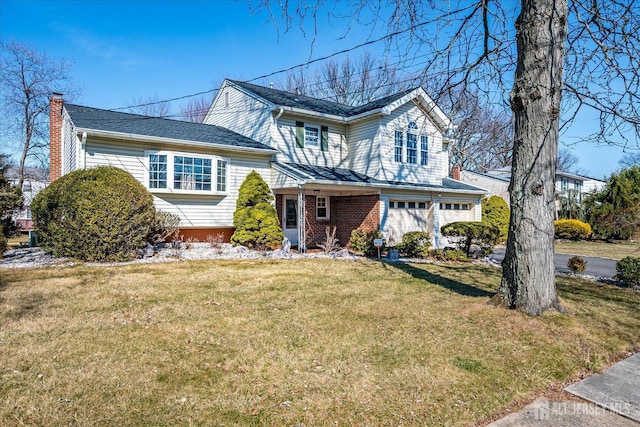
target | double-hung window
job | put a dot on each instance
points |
(398, 138)
(322, 207)
(157, 171)
(410, 152)
(181, 173)
(311, 135)
(424, 150)
(412, 148)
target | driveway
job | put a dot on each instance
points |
(597, 267)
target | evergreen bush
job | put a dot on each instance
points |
(255, 218)
(415, 244)
(362, 241)
(99, 214)
(572, 229)
(628, 270)
(495, 211)
(479, 233)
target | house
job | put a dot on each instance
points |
(382, 165)
(193, 170)
(569, 186)
(35, 180)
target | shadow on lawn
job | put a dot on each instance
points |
(452, 285)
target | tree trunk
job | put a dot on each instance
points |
(528, 278)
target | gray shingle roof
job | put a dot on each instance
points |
(288, 99)
(340, 175)
(113, 121)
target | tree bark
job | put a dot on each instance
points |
(528, 278)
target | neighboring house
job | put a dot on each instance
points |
(569, 186)
(383, 165)
(35, 180)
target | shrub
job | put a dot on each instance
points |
(415, 244)
(362, 241)
(165, 225)
(576, 264)
(437, 254)
(614, 212)
(3, 244)
(628, 270)
(479, 233)
(572, 229)
(456, 255)
(495, 211)
(99, 214)
(255, 218)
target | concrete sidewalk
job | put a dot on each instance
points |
(613, 401)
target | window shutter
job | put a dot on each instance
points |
(324, 135)
(300, 134)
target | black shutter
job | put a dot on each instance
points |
(324, 138)
(300, 134)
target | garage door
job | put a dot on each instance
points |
(407, 215)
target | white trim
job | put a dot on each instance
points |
(326, 206)
(170, 173)
(182, 142)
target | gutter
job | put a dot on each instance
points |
(158, 139)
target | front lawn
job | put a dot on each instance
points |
(294, 342)
(601, 249)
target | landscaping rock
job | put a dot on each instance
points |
(241, 250)
(343, 253)
(280, 254)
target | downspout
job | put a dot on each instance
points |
(81, 160)
(275, 122)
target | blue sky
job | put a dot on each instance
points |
(128, 50)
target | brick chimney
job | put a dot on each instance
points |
(55, 136)
(455, 173)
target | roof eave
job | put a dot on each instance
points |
(182, 142)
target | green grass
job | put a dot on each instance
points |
(308, 342)
(614, 250)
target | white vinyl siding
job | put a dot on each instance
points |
(364, 147)
(195, 210)
(241, 113)
(412, 168)
(284, 137)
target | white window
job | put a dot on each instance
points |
(176, 172)
(311, 135)
(410, 153)
(322, 208)
(424, 150)
(157, 171)
(398, 139)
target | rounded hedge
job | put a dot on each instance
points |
(98, 214)
(628, 270)
(572, 229)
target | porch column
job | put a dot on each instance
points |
(302, 221)
(436, 223)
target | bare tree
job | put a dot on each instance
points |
(28, 79)
(150, 106)
(196, 110)
(629, 160)
(348, 82)
(567, 161)
(483, 135)
(472, 44)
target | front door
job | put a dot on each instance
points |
(291, 219)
